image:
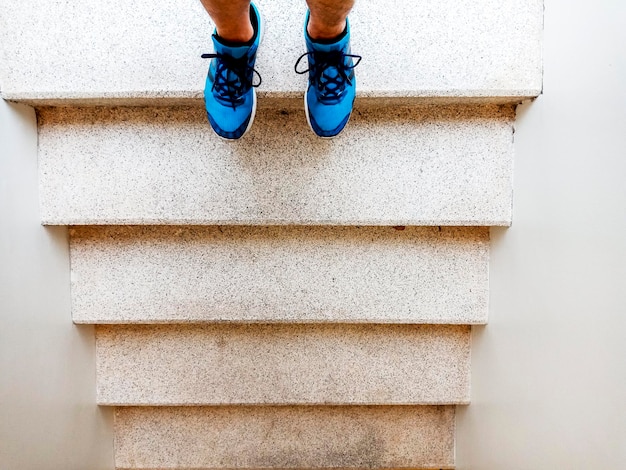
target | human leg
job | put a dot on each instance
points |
(328, 17)
(231, 18)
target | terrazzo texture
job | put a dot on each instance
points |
(279, 274)
(420, 166)
(284, 437)
(151, 51)
(282, 364)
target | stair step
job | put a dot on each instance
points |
(424, 166)
(279, 274)
(282, 364)
(129, 53)
(199, 438)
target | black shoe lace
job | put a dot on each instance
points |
(330, 86)
(233, 77)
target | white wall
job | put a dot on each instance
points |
(48, 416)
(549, 371)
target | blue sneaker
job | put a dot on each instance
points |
(332, 85)
(229, 94)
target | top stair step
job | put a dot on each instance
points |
(115, 52)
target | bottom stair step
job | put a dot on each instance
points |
(232, 437)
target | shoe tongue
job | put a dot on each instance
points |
(320, 47)
(237, 52)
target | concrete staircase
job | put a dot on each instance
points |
(283, 301)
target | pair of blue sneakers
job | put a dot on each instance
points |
(230, 96)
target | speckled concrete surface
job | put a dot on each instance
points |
(421, 166)
(282, 364)
(279, 274)
(285, 437)
(118, 50)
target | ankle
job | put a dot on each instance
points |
(320, 31)
(239, 29)
(243, 33)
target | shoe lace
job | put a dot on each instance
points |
(233, 77)
(329, 71)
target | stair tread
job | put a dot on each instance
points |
(279, 274)
(375, 437)
(139, 52)
(419, 166)
(282, 364)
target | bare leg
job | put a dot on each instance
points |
(328, 17)
(231, 17)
